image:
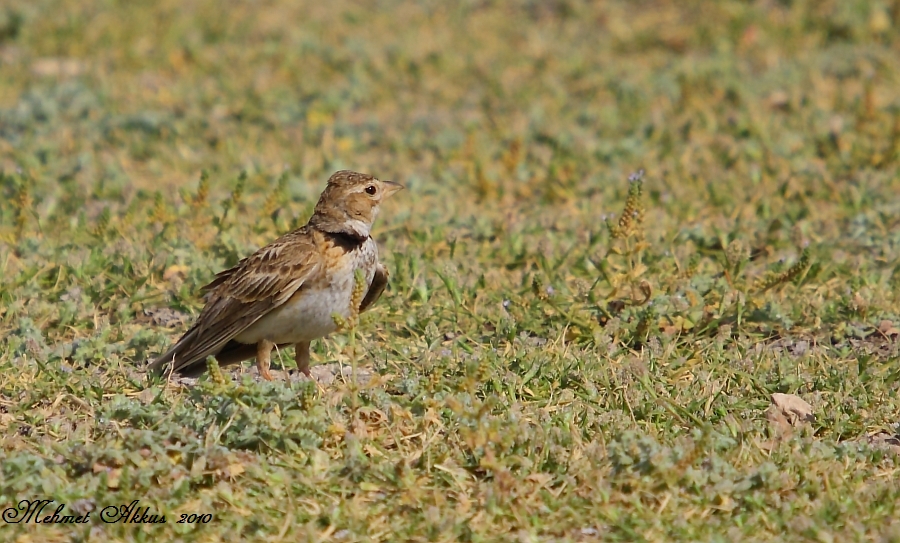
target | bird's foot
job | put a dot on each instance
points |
(264, 372)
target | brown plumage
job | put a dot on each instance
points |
(288, 291)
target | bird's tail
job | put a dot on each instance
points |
(171, 358)
(232, 352)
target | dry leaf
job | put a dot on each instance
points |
(5, 420)
(794, 408)
(58, 67)
(778, 422)
(887, 328)
(112, 478)
(233, 470)
(174, 271)
(540, 478)
(779, 100)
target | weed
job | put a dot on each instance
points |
(560, 354)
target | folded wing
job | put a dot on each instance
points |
(240, 296)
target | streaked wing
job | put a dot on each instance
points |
(221, 277)
(379, 282)
(242, 295)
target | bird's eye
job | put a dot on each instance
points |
(371, 189)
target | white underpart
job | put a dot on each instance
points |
(309, 315)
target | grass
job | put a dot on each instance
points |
(562, 354)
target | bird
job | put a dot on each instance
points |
(289, 292)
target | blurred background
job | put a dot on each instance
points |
(501, 100)
(535, 368)
(771, 124)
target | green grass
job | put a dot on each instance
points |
(541, 370)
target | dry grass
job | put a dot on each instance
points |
(562, 354)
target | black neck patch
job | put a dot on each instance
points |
(348, 241)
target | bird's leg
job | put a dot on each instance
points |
(301, 355)
(264, 358)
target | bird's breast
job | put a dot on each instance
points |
(309, 313)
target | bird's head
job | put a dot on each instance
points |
(350, 203)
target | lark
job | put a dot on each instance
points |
(288, 292)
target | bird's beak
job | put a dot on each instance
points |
(390, 187)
